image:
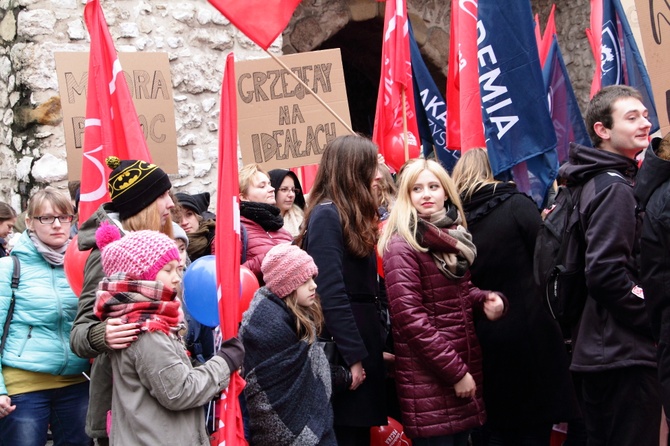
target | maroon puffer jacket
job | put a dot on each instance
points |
(435, 342)
(259, 242)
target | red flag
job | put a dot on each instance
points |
(260, 20)
(595, 38)
(112, 126)
(544, 45)
(465, 128)
(306, 176)
(394, 86)
(229, 429)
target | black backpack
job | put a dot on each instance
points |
(559, 263)
(559, 259)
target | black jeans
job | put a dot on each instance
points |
(622, 407)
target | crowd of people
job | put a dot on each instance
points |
(421, 278)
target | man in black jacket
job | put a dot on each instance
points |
(613, 350)
(653, 193)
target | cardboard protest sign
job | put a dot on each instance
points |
(280, 123)
(150, 84)
(654, 21)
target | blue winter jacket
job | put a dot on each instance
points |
(39, 334)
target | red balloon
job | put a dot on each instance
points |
(248, 286)
(390, 435)
(74, 263)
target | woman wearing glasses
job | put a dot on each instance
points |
(289, 197)
(42, 382)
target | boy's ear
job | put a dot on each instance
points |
(602, 131)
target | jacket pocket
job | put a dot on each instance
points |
(172, 379)
(25, 341)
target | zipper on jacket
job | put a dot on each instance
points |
(25, 341)
(60, 323)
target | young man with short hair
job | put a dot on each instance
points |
(613, 350)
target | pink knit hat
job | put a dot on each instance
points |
(286, 267)
(140, 254)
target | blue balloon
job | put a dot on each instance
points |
(200, 291)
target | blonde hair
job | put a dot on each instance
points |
(148, 218)
(308, 320)
(58, 200)
(472, 172)
(404, 215)
(247, 174)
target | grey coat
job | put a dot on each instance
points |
(158, 395)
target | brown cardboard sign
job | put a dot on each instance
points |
(280, 123)
(150, 84)
(654, 20)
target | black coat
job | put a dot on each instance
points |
(526, 376)
(347, 286)
(652, 191)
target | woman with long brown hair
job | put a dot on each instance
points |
(340, 233)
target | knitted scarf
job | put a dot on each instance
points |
(266, 215)
(148, 302)
(448, 242)
(200, 241)
(288, 380)
(53, 256)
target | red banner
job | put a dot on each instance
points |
(396, 131)
(112, 126)
(229, 429)
(465, 129)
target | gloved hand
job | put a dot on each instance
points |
(232, 351)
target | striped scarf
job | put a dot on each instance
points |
(147, 302)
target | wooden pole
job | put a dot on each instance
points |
(316, 96)
(404, 125)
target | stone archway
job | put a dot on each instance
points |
(356, 28)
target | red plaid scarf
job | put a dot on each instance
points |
(148, 302)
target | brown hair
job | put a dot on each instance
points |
(308, 320)
(348, 166)
(59, 201)
(387, 188)
(6, 212)
(600, 108)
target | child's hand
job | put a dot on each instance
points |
(466, 387)
(494, 306)
(119, 334)
(232, 351)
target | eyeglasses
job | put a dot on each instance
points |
(49, 219)
(286, 190)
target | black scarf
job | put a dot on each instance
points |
(266, 215)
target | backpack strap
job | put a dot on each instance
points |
(16, 275)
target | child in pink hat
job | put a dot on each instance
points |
(158, 395)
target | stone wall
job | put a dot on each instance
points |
(197, 39)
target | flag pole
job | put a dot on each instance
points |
(318, 98)
(405, 137)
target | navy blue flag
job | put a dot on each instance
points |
(520, 136)
(432, 116)
(563, 107)
(621, 61)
